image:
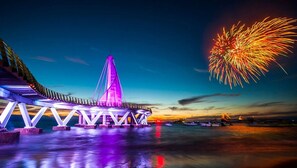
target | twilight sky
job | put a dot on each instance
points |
(160, 49)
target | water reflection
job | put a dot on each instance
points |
(158, 133)
(77, 148)
(160, 161)
(157, 146)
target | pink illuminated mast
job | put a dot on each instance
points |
(112, 93)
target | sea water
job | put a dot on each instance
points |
(157, 146)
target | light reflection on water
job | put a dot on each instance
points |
(157, 146)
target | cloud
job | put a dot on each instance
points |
(42, 58)
(94, 49)
(201, 70)
(146, 104)
(284, 113)
(76, 60)
(199, 99)
(267, 104)
(150, 105)
(209, 108)
(257, 115)
(147, 69)
(180, 109)
(214, 108)
(293, 76)
(55, 86)
(69, 94)
(277, 114)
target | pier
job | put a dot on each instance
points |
(20, 88)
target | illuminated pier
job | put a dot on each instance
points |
(19, 87)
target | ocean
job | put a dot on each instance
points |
(157, 146)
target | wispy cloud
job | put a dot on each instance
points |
(148, 104)
(180, 109)
(293, 76)
(257, 115)
(209, 108)
(43, 58)
(199, 99)
(55, 86)
(214, 108)
(147, 69)
(154, 107)
(201, 70)
(284, 113)
(94, 49)
(76, 60)
(266, 104)
(272, 114)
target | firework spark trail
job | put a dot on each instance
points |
(243, 54)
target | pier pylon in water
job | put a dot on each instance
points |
(112, 93)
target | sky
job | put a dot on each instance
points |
(160, 48)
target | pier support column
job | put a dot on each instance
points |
(7, 137)
(134, 122)
(92, 116)
(62, 124)
(80, 121)
(4, 117)
(140, 120)
(133, 119)
(116, 124)
(29, 131)
(104, 125)
(30, 128)
(125, 120)
(91, 123)
(144, 121)
(83, 121)
(126, 125)
(104, 119)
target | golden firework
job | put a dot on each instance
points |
(244, 53)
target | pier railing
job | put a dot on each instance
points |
(9, 59)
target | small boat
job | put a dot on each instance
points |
(168, 124)
(208, 124)
(215, 124)
(190, 123)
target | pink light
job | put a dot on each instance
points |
(113, 93)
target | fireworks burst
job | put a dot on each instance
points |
(242, 54)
